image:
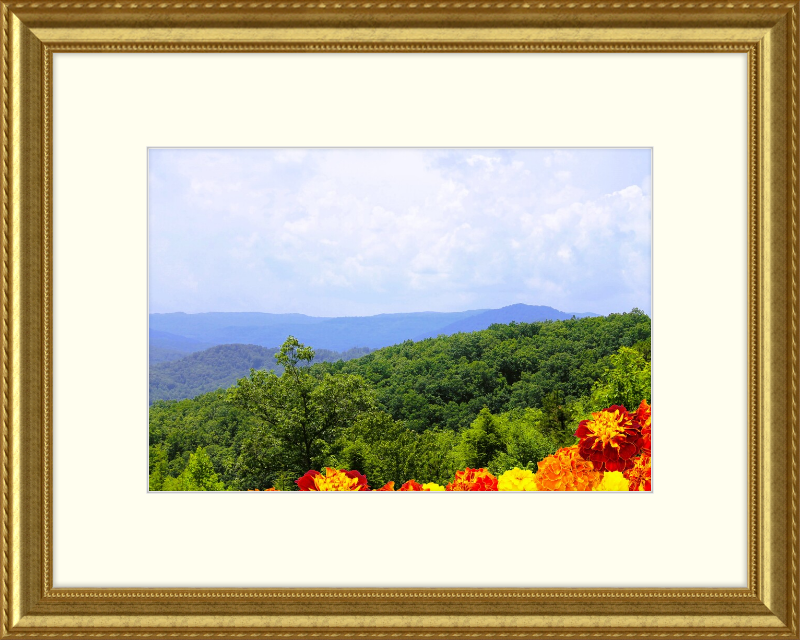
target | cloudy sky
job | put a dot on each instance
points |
(335, 232)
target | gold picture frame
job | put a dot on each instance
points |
(32, 31)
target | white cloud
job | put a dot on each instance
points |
(559, 157)
(356, 231)
(487, 162)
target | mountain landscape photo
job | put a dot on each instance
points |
(183, 364)
(399, 320)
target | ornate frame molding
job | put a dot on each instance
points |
(768, 32)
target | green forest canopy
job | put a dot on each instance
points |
(221, 366)
(503, 397)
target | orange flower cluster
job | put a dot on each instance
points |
(643, 418)
(618, 440)
(613, 451)
(639, 476)
(614, 441)
(473, 480)
(333, 480)
(342, 480)
(565, 470)
(412, 485)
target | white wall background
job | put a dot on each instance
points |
(109, 532)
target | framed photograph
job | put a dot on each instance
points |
(310, 320)
(453, 226)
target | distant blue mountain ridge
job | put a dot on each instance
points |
(174, 335)
(506, 315)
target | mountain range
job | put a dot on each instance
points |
(174, 335)
(192, 354)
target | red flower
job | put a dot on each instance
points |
(389, 486)
(639, 478)
(411, 485)
(473, 480)
(611, 439)
(306, 482)
(643, 418)
(333, 480)
(362, 480)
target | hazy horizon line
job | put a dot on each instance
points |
(300, 313)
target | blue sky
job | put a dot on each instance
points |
(344, 232)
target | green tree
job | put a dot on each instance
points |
(526, 443)
(557, 421)
(643, 346)
(379, 447)
(302, 413)
(262, 461)
(482, 441)
(435, 457)
(199, 475)
(158, 467)
(626, 382)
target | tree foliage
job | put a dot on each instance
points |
(198, 475)
(444, 382)
(504, 397)
(220, 367)
(626, 381)
(301, 413)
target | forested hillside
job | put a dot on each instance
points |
(445, 382)
(220, 367)
(499, 398)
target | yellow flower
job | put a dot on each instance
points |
(517, 480)
(612, 481)
(432, 486)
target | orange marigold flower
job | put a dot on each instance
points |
(389, 486)
(411, 485)
(333, 480)
(611, 439)
(565, 470)
(473, 480)
(644, 419)
(639, 476)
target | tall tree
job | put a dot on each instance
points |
(482, 441)
(556, 417)
(301, 412)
